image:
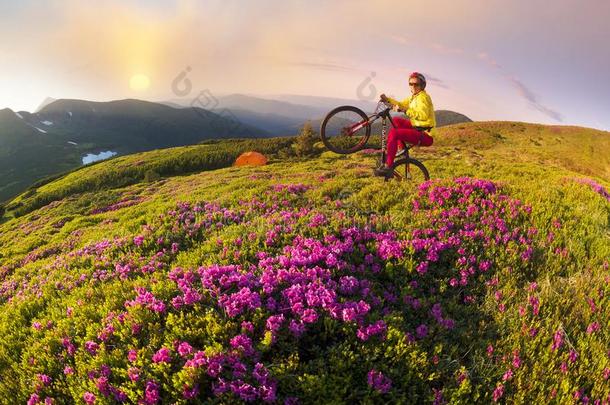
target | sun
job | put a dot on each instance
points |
(139, 82)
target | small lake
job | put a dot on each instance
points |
(90, 157)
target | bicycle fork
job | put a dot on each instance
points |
(383, 142)
(384, 126)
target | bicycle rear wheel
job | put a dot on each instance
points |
(345, 129)
(409, 169)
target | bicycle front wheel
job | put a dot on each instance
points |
(410, 170)
(345, 129)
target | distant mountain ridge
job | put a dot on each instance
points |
(447, 117)
(56, 137)
(285, 114)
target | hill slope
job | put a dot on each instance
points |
(27, 153)
(312, 280)
(57, 137)
(447, 117)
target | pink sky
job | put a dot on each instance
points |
(534, 61)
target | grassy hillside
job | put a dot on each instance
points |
(311, 281)
(27, 154)
(131, 169)
(55, 139)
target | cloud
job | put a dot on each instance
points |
(488, 59)
(270, 47)
(522, 90)
(429, 78)
(446, 49)
(532, 99)
(326, 66)
(437, 46)
(398, 38)
(438, 82)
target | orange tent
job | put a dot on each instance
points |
(251, 158)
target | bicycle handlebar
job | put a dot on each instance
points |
(384, 103)
(385, 113)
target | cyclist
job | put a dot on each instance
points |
(418, 108)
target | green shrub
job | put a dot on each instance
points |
(305, 141)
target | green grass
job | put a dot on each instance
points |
(535, 164)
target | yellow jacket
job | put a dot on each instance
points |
(418, 108)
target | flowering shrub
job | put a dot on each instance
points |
(279, 299)
(126, 202)
(595, 186)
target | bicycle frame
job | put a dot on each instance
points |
(385, 115)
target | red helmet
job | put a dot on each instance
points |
(419, 77)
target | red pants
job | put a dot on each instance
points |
(404, 132)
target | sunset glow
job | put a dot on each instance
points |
(139, 82)
(489, 61)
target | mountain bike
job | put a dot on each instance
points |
(347, 129)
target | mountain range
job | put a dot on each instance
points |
(285, 114)
(65, 133)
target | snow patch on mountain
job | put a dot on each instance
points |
(38, 129)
